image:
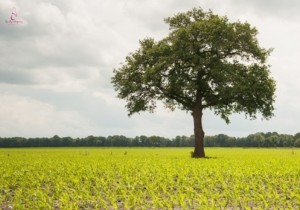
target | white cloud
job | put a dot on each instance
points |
(22, 116)
(55, 69)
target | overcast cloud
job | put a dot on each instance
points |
(56, 65)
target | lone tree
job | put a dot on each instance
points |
(206, 62)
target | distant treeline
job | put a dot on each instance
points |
(254, 140)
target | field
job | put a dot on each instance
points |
(152, 178)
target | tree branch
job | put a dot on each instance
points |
(184, 101)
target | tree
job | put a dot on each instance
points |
(297, 143)
(206, 62)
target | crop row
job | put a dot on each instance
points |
(149, 179)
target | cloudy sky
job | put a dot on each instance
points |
(56, 62)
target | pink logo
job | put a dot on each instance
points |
(13, 14)
(13, 18)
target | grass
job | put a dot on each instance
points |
(149, 178)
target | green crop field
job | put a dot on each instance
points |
(151, 178)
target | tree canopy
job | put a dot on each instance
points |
(206, 62)
(270, 139)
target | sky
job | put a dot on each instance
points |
(57, 59)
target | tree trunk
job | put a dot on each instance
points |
(199, 133)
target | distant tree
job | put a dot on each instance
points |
(297, 143)
(297, 136)
(154, 141)
(55, 141)
(210, 141)
(255, 140)
(135, 142)
(272, 141)
(144, 141)
(222, 140)
(286, 140)
(67, 141)
(231, 142)
(206, 62)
